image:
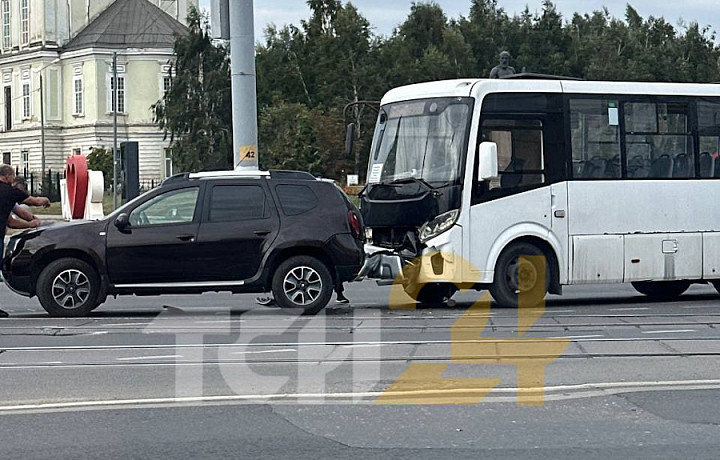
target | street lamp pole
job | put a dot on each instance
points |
(42, 123)
(115, 111)
(42, 133)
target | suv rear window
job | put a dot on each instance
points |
(231, 203)
(296, 199)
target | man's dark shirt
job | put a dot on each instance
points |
(9, 197)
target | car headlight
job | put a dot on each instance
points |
(438, 225)
(11, 246)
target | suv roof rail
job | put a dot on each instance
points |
(232, 173)
(300, 175)
(175, 178)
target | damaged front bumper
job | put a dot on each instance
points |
(382, 265)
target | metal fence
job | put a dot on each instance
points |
(48, 186)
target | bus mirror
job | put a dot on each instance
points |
(488, 161)
(349, 139)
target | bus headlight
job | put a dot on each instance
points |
(438, 225)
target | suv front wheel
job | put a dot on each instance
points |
(68, 287)
(302, 282)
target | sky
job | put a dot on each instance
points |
(385, 15)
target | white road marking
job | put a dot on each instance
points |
(134, 358)
(578, 337)
(676, 331)
(289, 350)
(307, 344)
(221, 321)
(123, 324)
(584, 390)
(629, 309)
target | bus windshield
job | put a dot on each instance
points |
(422, 139)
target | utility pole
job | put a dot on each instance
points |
(244, 85)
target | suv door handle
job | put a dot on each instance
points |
(186, 237)
(262, 232)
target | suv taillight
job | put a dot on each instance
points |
(354, 223)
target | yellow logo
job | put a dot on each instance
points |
(424, 384)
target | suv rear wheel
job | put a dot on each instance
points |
(68, 287)
(302, 282)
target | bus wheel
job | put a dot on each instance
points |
(521, 276)
(661, 289)
(434, 293)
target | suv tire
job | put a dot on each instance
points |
(302, 282)
(434, 294)
(68, 287)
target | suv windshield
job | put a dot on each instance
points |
(423, 139)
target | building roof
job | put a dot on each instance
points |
(129, 24)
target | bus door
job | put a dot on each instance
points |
(518, 200)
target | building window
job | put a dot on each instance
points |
(26, 100)
(25, 21)
(8, 108)
(25, 162)
(120, 94)
(6, 24)
(7, 157)
(77, 152)
(167, 82)
(78, 90)
(169, 171)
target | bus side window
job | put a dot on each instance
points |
(520, 152)
(595, 139)
(708, 116)
(659, 131)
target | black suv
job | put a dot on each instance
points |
(279, 231)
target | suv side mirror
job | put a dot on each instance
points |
(488, 161)
(349, 139)
(122, 222)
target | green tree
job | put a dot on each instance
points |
(196, 112)
(325, 64)
(101, 159)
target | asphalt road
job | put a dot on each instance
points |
(216, 376)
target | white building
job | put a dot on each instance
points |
(62, 51)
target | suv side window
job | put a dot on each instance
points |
(174, 207)
(296, 199)
(232, 203)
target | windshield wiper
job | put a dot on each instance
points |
(406, 180)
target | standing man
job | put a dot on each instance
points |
(21, 216)
(9, 197)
